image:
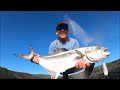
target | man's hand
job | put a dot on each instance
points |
(35, 58)
(81, 64)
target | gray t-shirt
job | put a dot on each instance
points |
(69, 45)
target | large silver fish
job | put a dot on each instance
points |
(60, 62)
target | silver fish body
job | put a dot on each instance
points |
(60, 62)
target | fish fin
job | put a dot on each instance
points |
(23, 56)
(79, 53)
(31, 49)
(54, 74)
(27, 56)
(77, 57)
(105, 70)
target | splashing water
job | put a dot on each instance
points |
(78, 31)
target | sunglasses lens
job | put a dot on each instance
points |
(59, 28)
(63, 26)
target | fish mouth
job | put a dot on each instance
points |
(107, 53)
(104, 50)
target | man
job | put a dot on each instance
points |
(64, 43)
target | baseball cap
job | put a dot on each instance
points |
(62, 25)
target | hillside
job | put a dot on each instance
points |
(97, 73)
(113, 68)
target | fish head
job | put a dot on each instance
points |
(96, 54)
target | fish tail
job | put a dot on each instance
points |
(26, 56)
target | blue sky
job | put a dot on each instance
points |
(20, 28)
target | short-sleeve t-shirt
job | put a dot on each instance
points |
(69, 45)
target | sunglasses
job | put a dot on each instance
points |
(60, 27)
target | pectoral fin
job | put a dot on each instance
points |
(79, 53)
(105, 70)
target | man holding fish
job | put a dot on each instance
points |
(66, 43)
